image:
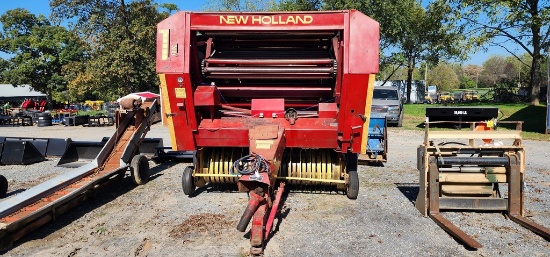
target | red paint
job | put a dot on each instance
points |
(266, 108)
(206, 96)
(326, 79)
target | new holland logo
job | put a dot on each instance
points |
(265, 20)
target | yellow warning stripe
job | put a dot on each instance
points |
(166, 106)
(368, 105)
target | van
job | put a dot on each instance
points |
(388, 102)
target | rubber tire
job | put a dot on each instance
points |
(187, 181)
(139, 168)
(3, 186)
(353, 186)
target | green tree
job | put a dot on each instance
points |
(39, 51)
(3, 67)
(121, 44)
(496, 69)
(410, 33)
(467, 83)
(240, 5)
(523, 23)
(299, 5)
(444, 77)
(471, 73)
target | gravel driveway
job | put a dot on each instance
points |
(157, 219)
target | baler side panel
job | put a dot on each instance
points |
(360, 59)
(350, 122)
(181, 104)
(173, 60)
(362, 54)
(170, 50)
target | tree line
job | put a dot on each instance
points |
(106, 48)
(96, 49)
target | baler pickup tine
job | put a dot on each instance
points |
(531, 225)
(455, 231)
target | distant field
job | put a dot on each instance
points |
(534, 117)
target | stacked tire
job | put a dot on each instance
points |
(44, 119)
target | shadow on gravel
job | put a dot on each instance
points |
(118, 186)
(409, 190)
(209, 188)
(280, 216)
(372, 164)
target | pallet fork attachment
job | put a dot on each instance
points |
(463, 176)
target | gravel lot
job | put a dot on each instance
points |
(157, 219)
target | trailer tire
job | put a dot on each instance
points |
(187, 182)
(353, 186)
(3, 186)
(139, 168)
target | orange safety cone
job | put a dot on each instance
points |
(484, 127)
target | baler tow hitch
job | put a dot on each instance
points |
(261, 207)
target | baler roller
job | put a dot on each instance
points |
(294, 76)
(278, 62)
(278, 70)
(271, 35)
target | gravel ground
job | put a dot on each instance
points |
(157, 219)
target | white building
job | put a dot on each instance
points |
(9, 93)
(417, 88)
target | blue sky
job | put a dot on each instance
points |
(42, 7)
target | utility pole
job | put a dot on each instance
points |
(426, 76)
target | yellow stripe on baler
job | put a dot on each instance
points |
(166, 106)
(368, 105)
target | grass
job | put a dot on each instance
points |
(533, 117)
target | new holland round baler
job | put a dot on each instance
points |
(268, 97)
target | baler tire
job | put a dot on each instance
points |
(353, 186)
(139, 168)
(3, 186)
(187, 182)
